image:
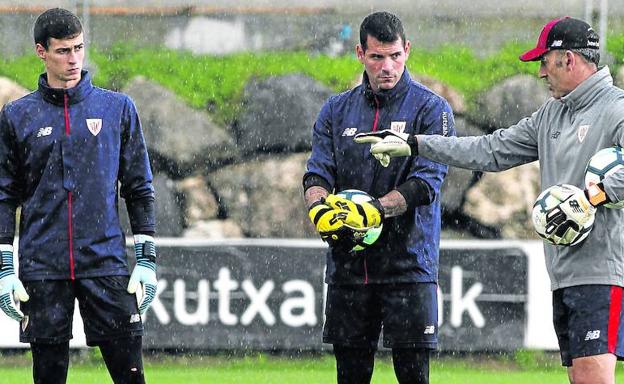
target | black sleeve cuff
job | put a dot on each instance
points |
(142, 215)
(314, 180)
(416, 192)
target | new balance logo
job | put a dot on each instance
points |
(135, 318)
(349, 132)
(592, 335)
(429, 330)
(45, 131)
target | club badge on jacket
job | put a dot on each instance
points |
(397, 126)
(582, 132)
(94, 125)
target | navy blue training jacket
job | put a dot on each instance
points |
(408, 248)
(63, 154)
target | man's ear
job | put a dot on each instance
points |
(41, 51)
(570, 59)
(359, 53)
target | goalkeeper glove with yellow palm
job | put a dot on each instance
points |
(372, 212)
(340, 228)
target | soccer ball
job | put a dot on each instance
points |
(602, 164)
(372, 234)
(573, 224)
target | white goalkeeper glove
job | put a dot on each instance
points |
(569, 222)
(11, 288)
(387, 144)
(144, 273)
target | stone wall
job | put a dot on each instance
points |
(217, 181)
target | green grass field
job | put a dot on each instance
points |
(523, 367)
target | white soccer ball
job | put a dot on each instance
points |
(572, 224)
(602, 164)
(372, 234)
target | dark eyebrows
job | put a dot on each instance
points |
(377, 54)
(67, 49)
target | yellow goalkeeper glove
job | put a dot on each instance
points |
(372, 212)
(338, 227)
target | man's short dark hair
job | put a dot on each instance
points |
(56, 23)
(590, 55)
(383, 26)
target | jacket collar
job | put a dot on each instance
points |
(385, 96)
(585, 92)
(75, 94)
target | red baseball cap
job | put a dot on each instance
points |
(564, 33)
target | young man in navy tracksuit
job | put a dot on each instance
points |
(392, 284)
(66, 151)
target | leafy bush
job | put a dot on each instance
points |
(217, 82)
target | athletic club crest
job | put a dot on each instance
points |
(582, 132)
(397, 126)
(94, 125)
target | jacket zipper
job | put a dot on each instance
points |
(374, 129)
(376, 114)
(69, 198)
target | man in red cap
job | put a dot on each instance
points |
(585, 114)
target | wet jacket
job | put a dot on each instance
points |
(408, 248)
(563, 135)
(63, 156)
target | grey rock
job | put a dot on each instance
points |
(181, 140)
(505, 200)
(454, 97)
(458, 180)
(456, 183)
(199, 202)
(509, 101)
(279, 113)
(264, 196)
(213, 229)
(10, 91)
(169, 209)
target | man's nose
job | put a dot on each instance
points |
(387, 65)
(73, 56)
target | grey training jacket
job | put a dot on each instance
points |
(563, 134)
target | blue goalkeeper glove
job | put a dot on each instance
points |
(144, 273)
(11, 288)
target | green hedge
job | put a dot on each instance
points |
(216, 82)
